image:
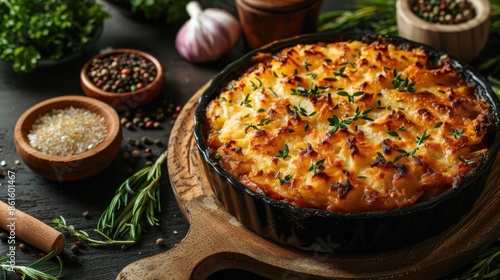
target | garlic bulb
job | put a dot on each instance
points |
(207, 35)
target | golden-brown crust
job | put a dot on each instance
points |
(349, 126)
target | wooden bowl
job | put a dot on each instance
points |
(464, 41)
(74, 167)
(129, 99)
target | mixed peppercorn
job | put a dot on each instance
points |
(444, 11)
(124, 72)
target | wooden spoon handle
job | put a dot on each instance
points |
(31, 230)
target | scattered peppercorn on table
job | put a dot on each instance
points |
(146, 132)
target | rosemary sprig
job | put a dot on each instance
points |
(377, 15)
(61, 224)
(32, 271)
(486, 265)
(136, 198)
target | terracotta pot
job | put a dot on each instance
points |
(266, 21)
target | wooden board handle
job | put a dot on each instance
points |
(31, 230)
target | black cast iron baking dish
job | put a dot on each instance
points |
(312, 229)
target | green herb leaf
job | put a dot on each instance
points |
(285, 179)
(283, 154)
(124, 216)
(457, 133)
(317, 166)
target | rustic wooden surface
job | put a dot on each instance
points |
(216, 240)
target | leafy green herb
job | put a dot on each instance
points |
(317, 165)
(457, 133)
(217, 156)
(485, 266)
(31, 30)
(254, 86)
(337, 124)
(362, 114)
(264, 121)
(170, 10)
(246, 102)
(376, 15)
(350, 97)
(285, 179)
(438, 124)
(83, 235)
(402, 128)
(300, 110)
(305, 64)
(32, 271)
(402, 84)
(361, 177)
(275, 75)
(392, 133)
(312, 75)
(301, 91)
(419, 140)
(273, 92)
(466, 161)
(283, 154)
(380, 155)
(135, 200)
(330, 79)
(340, 72)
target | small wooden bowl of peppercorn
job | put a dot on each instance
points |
(458, 27)
(123, 78)
(68, 138)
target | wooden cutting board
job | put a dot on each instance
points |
(216, 240)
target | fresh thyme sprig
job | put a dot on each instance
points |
(457, 133)
(301, 91)
(283, 153)
(61, 224)
(264, 121)
(419, 140)
(302, 111)
(337, 123)
(137, 199)
(283, 180)
(317, 165)
(350, 97)
(340, 72)
(402, 84)
(32, 271)
(246, 102)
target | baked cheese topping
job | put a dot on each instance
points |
(349, 126)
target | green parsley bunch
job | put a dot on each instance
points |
(34, 29)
